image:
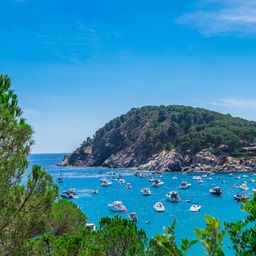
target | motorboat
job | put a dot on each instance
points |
(216, 191)
(151, 179)
(230, 174)
(128, 186)
(121, 181)
(137, 174)
(245, 176)
(252, 180)
(159, 207)
(60, 179)
(68, 194)
(91, 226)
(173, 196)
(244, 187)
(116, 206)
(145, 191)
(197, 178)
(157, 183)
(94, 191)
(195, 208)
(238, 178)
(184, 185)
(254, 189)
(200, 181)
(105, 183)
(174, 178)
(241, 197)
(133, 216)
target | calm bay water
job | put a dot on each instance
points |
(95, 206)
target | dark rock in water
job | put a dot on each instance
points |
(167, 138)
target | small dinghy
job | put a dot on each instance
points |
(195, 208)
(145, 191)
(121, 181)
(133, 216)
(244, 187)
(241, 197)
(184, 185)
(94, 191)
(157, 183)
(216, 191)
(128, 186)
(116, 206)
(159, 207)
(173, 196)
(105, 183)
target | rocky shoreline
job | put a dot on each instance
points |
(203, 161)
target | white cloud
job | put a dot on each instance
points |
(222, 16)
(236, 103)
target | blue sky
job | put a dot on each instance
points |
(77, 64)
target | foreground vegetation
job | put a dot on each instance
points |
(33, 221)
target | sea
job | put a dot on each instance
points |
(95, 206)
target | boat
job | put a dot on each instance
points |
(105, 183)
(94, 191)
(184, 185)
(133, 216)
(68, 194)
(254, 189)
(174, 178)
(145, 191)
(157, 183)
(173, 196)
(121, 181)
(230, 174)
(195, 208)
(252, 180)
(200, 181)
(197, 178)
(137, 174)
(241, 197)
(128, 186)
(116, 206)
(245, 176)
(151, 179)
(60, 178)
(91, 226)
(244, 187)
(159, 207)
(216, 191)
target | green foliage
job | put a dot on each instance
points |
(210, 237)
(66, 218)
(243, 233)
(120, 237)
(165, 245)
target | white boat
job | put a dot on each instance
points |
(245, 176)
(105, 183)
(184, 185)
(128, 186)
(231, 174)
(216, 191)
(157, 183)
(173, 196)
(159, 207)
(241, 197)
(254, 189)
(116, 206)
(200, 181)
(174, 178)
(252, 180)
(197, 178)
(195, 208)
(121, 181)
(204, 176)
(68, 194)
(145, 191)
(151, 179)
(133, 216)
(91, 226)
(94, 191)
(244, 187)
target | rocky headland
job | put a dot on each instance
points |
(171, 138)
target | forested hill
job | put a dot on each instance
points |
(167, 133)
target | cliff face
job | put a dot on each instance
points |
(170, 138)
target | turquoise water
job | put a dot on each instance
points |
(95, 206)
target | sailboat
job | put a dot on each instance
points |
(60, 178)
